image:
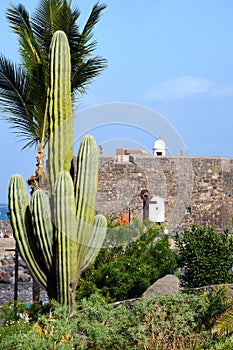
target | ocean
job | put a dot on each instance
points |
(3, 211)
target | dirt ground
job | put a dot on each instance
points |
(24, 292)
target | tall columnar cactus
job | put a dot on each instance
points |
(59, 107)
(60, 236)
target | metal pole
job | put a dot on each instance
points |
(16, 265)
(16, 272)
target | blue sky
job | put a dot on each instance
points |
(174, 57)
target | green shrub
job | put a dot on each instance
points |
(168, 322)
(225, 343)
(13, 312)
(165, 323)
(14, 330)
(218, 303)
(205, 256)
(125, 272)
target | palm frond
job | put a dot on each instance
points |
(35, 62)
(19, 21)
(84, 66)
(23, 90)
(85, 72)
(13, 87)
(30, 142)
(93, 19)
(15, 105)
(84, 46)
(18, 18)
(224, 325)
(53, 15)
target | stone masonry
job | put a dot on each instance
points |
(195, 190)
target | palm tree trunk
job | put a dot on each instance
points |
(34, 183)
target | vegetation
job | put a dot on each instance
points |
(59, 236)
(126, 271)
(23, 87)
(183, 321)
(205, 256)
(224, 324)
(166, 323)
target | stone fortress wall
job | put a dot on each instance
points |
(194, 190)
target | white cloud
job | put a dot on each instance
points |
(187, 86)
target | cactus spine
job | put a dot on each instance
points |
(59, 237)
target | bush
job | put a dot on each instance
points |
(14, 312)
(205, 256)
(125, 272)
(170, 322)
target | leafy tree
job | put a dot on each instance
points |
(205, 255)
(23, 87)
(126, 271)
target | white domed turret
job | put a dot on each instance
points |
(159, 148)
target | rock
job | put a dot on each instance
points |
(9, 268)
(169, 284)
(4, 262)
(5, 277)
(24, 277)
(128, 303)
(22, 263)
(214, 287)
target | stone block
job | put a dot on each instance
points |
(169, 284)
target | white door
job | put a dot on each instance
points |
(156, 209)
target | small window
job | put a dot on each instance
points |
(159, 153)
(188, 210)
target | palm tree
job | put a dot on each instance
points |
(23, 87)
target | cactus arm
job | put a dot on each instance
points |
(19, 206)
(85, 194)
(60, 150)
(65, 222)
(96, 240)
(43, 228)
